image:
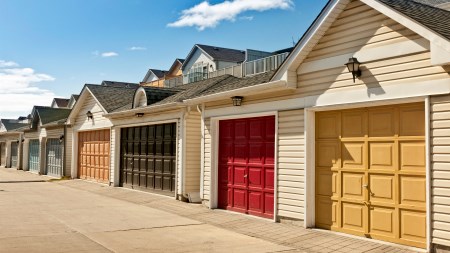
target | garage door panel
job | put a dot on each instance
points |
(413, 226)
(256, 177)
(33, 156)
(412, 190)
(246, 157)
(382, 221)
(354, 124)
(352, 185)
(353, 217)
(382, 156)
(381, 178)
(382, 189)
(239, 176)
(412, 120)
(269, 178)
(353, 155)
(382, 122)
(328, 125)
(328, 154)
(54, 158)
(412, 156)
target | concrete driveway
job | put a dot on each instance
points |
(39, 216)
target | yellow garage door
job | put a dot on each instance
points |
(370, 173)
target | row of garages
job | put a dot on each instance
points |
(366, 156)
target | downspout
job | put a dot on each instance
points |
(202, 150)
(183, 167)
(64, 150)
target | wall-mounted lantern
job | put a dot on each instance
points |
(353, 67)
(89, 115)
(23, 140)
(139, 114)
(61, 138)
(237, 100)
(18, 141)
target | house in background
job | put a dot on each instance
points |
(44, 142)
(163, 78)
(73, 99)
(205, 62)
(10, 141)
(60, 103)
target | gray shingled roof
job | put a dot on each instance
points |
(110, 97)
(12, 124)
(75, 96)
(50, 115)
(159, 73)
(61, 102)
(238, 83)
(223, 54)
(435, 19)
(120, 84)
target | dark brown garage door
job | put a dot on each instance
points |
(148, 158)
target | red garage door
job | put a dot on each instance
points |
(246, 165)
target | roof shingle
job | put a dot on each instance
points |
(111, 97)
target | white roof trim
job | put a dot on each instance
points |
(148, 109)
(310, 38)
(188, 58)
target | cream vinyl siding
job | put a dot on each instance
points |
(440, 168)
(54, 133)
(81, 122)
(179, 155)
(192, 162)
(291, 164)
(207, 160)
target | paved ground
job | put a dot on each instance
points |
(79, 216)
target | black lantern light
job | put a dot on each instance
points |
(237, 100)
(61, 138)
(353, 67)
(89, 115)
(139, 114)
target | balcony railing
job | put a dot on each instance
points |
(173, 82)
(241, 70)
(264, 65)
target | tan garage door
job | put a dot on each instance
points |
(370, 173)
(93, 155)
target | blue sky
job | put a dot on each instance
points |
(51, 48)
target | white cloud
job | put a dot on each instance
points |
(205, 15)
(109, 54)
(137, 48)
(4, 64)
(18, 92)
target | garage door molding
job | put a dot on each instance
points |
(214, 184)
(310, 137)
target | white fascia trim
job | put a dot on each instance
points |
(306, 40)
(423, 31)
(148, 109)
(241, 91)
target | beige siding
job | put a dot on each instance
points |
(207, 161)
(291, 164)
(54, 133)
(440, 168)
(192, 153)
(98, 122)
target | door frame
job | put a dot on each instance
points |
(213, 203)
(310, 135)
(117, 147)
